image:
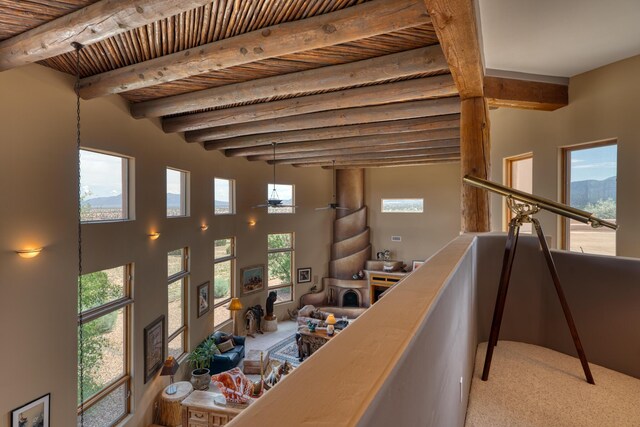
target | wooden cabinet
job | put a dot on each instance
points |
(201, 410)
(380, 282)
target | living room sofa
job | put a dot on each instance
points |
(229, 359)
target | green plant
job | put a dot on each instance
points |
(603, 208)
(200, 357)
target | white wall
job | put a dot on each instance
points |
(38, 176)
(603, 104)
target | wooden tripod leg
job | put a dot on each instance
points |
(498, 311)
(563, 301)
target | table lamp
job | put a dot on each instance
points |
(170, 367)
(331, 320)
(234, 306)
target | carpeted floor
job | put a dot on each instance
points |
(285, 350)
(534, 386)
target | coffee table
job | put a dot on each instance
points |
(309, 342)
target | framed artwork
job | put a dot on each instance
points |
(34, 413)
(416, 264)
(203, 298)
(252, 279)
(304, 275)
(154, 343)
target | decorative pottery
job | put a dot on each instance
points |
(200, 379)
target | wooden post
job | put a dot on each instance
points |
(475, 161)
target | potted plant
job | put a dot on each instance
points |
(200, 358)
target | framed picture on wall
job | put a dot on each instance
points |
(304, 275)
(154, 343)
(34, 413)
(416, 264)
(203, 298)
(252, 279)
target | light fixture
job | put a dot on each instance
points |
(29, 253)
(331, 320)
(274, 201)
(170, 368)
(251, 222)
(234, 306)
(154, 235)
(204, 227)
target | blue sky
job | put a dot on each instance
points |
(594, 163)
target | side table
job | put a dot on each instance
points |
(170, 406)
(200, 409)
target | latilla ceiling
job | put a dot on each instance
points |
(397, 111)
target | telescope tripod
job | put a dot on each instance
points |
(523, 215)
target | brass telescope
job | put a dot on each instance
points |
(540, 202)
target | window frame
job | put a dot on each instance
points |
(382, 200)
(270, 210)
(185, 198)
(290, 249)
(508, 180)
(183, 276)
(565, 184)
(232, 258)
(126, 175)
(126, 303)
(232, 196)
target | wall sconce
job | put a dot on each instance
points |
(29, 253)
(204, 227)
(251, 222)
(154, 235)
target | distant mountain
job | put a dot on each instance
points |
(222, 204)
(591, 190)
(111, 202)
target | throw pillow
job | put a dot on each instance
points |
(215, 349)
(225, 346)
(226, 338)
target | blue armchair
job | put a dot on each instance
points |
(227, 360)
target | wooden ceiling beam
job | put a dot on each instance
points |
(374, 163)
(346, 116)
(399, 154)
(501, 92)
(403, 64)
(367, 144)
(86, 26)
(256, 144)
(388, 164)
(455, 25)
(387, 93)
(353, 23)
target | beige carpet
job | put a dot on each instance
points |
(534, 386)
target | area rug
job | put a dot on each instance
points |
(285, 350)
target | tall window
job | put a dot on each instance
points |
(223, 196)
(224, 261)
(103, 187)
(519, 176)
(284, 192)
(280, 265)
(177, 193)
(178, 273)
(104, 347)
(590, 177)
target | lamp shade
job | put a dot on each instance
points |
(331, 320)
(170, 367)
(235, 304)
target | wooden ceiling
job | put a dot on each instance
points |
(363, 83)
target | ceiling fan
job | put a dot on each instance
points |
(274, 201)
(333, 205)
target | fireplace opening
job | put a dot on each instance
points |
(350, 299)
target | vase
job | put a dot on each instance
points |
(200, 379)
